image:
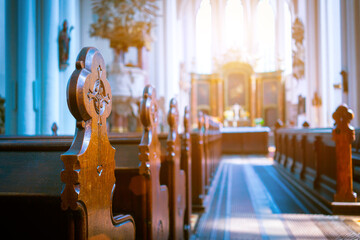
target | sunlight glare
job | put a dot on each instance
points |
(234, 23)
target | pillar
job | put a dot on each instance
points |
(20, 68)
(171, 65)
(49, 65)
(350, 50)
(26, 67)
(10, 66)
(69, 11)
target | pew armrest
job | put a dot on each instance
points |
(125, 225)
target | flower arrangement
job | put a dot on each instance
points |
(259, 121)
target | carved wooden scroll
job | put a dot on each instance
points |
(344, 135)
(89, 163)
(186, 166)
(157, 195)
(173, 176)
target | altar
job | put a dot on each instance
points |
(238, 96)
(245, 140)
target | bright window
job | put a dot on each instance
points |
(265, 31)
(288, 40)
(203, 38)
(234, 25)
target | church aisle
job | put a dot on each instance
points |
(250, 201)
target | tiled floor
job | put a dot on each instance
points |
(250, 201)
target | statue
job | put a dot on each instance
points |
(64, 46)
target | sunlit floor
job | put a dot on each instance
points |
(249, 200)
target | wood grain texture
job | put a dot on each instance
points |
(157, 200)
(198, 166)
(173, 176)
(185, 165)
(343, 135)
(89, 163)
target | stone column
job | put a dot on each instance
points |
(171, 64)
(10, 66)
(350, 38)
(26, 67)
(20, 69)
(69, 11)
(49, 65)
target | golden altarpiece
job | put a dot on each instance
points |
(238, 96)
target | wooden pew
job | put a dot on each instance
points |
(206, 143)
(31, 170)
(146, 199)
(126, 156)
(318, 160)
(186, 167)
(198, 166)
(215, 145)
(172, 176)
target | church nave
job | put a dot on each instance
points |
(250, 199)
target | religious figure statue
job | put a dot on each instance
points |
(64, 45)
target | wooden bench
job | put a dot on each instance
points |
(126, 157)
(37, 204)
(198, 166)
(173, 176)
(146, 199)
(319, 161)
(205, 156)
(186, 167)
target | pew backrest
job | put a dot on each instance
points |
(89, 164)
(150, 163)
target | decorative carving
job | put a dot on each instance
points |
(89, 63)
(98, 95)
(299, 52)
(149, 119)
(150, 153)
(125, 23)
(316, 101)
(173, 117)
(345, 84)
(173, 176)
(89, 164)
(64, 45)
(54, 129)
(306, 124)
(343, 135)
